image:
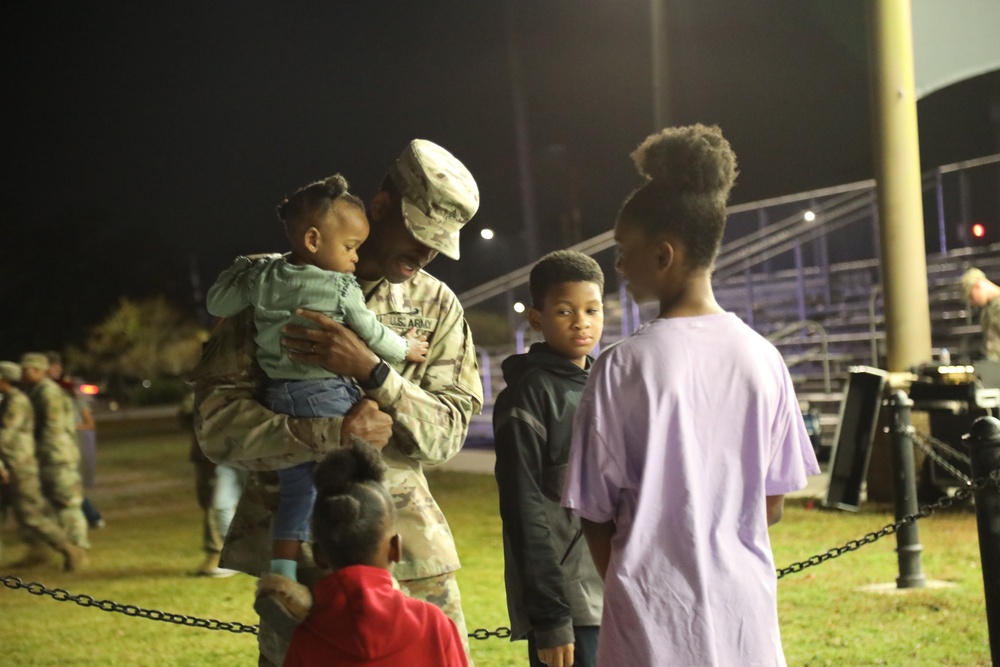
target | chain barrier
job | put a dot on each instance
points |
(925, 442)
(943, 446)
(928, 443)
(961, 495)
(503, 632)
(62, 595)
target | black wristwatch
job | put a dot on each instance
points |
(377, 378)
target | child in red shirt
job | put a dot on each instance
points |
(357, 617)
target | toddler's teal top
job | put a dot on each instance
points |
(275, 288)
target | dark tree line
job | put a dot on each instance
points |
(64, 271)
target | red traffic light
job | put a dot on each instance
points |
(89, 389)
(978, 230)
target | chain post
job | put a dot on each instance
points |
(984, 442)
(904, 491)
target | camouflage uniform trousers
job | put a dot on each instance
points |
(63, 487)
(30, 506)
(441, 591)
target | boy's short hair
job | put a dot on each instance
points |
(562, 266)
(298, 211)
(352, 509)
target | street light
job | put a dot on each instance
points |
(518, 307)
(486, 233)
(809, 216)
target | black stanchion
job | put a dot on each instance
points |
(984, 443)
(904, 490)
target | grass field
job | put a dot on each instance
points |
(152, 542)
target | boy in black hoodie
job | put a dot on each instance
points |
(554, 593)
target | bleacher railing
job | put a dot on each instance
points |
(754, 242)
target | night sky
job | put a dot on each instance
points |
(141, 139)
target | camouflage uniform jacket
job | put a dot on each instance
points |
(17, 430)
(55, 425)
(990, 321)
(431, 404)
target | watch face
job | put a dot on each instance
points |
(378, 376)
(381, 372)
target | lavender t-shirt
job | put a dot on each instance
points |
(682, 432)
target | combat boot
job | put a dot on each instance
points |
(38, 555)
(74, 558)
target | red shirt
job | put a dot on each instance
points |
(357, 618)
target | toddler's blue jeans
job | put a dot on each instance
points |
(329, 397)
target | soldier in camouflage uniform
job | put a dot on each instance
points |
(423, 410)
(56, 447)
(984, 294)
(19, 469)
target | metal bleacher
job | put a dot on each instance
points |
(803, 270)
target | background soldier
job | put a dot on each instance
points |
(984, 294)
(19, 469)
(86, 435)
(56, 447)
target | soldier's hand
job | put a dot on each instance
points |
(367, 422)
(333, 346)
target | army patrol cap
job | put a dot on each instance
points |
(439, 195)
(10, 371)
(35, 360)
(970, 279)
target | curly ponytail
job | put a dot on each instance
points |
(690, 171)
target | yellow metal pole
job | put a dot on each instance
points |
(897, 171)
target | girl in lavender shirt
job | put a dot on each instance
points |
(687, 437)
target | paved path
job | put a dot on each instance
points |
(471, 459)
